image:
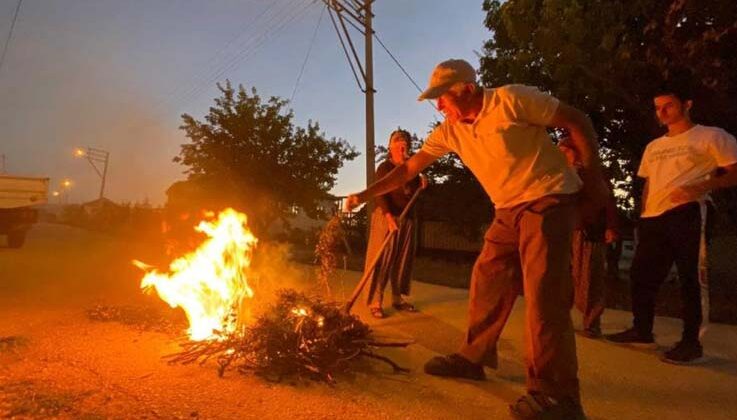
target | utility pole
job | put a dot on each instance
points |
(358, 14)
(2, 159)
(96, 156)
(369, 60)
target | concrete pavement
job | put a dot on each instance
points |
(74, 368)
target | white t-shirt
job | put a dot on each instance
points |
(685, 159)
(508, 148)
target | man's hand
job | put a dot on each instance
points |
(597, 191)
(351, 202)
(611, 236)
(391, 223)
(423, 182)
(594, 198)
(687, 193)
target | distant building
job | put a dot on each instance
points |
(98, 206)
(299, 220)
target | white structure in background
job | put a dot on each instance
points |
(299, 220)
(19, 200)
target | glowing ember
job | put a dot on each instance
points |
(299, 311)
(210, 283)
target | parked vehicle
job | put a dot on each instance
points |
(19, 198)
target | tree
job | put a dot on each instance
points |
(247, 153)
(608, 58)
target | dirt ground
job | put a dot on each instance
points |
(57, 363)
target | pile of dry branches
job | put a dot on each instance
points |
(296, 337)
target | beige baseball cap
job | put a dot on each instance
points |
(445, 75)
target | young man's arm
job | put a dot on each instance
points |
(643, 199)
(688, 193)
(395, 179)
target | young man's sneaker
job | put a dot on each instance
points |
(684, 353)
(455, 366)
(632, 337)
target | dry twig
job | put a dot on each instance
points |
(296, 337)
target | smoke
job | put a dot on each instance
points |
(272, 270)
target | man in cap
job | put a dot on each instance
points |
(500, 134)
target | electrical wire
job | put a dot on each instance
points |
(307, 56)
(396, 61)
(215, 58)
(240, 58)
(10, 34)
(345, 50)
(274, 25)
(194, 89)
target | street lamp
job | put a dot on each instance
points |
(57, 195)
(95, 156)
(66, 185)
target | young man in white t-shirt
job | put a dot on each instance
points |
(500, 134)
(680, 169)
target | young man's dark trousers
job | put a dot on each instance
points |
(673, 236)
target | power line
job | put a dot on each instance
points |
(307, 56)
(273, 27)
(10, 34)
(205, 77)
(396, 61)
(345, 50)
(242, 56)
(419, 89)
(179, 97)
(218, 58)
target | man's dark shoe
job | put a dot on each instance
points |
(684, 353)
(537, 406)
(591, 332)
(455, 366)
(632, 337)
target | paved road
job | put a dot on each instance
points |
(63, 365)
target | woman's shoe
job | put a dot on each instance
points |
(377, 312)
(404, 306)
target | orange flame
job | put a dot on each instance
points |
(210, 283)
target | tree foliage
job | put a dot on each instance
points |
(609, 57)
(249, 154)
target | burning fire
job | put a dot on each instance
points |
(209, 284)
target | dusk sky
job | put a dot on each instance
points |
(117, 75)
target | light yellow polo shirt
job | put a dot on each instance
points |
(508, 148)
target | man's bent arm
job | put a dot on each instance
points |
(398, 176)
(582, 134)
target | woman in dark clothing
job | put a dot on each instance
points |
(594, 229)
(395, 265)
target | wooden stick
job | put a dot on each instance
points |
(362, 283)
(390, 362)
